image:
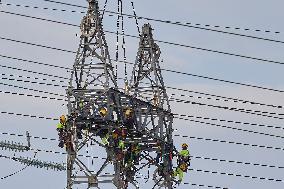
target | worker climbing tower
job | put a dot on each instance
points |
(127, 133)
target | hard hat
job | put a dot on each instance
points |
(184, 145)
(63, 119)
(128, 112)
(103, 111)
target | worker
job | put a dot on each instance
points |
(159, 152)
(135, 149)
(129, 121)
(105, 139)
(61, 127)
(184, 154)
(183, 162)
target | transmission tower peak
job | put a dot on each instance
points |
(92, 67)
(147, 79)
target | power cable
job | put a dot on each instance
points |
(183, 136)
(184, 24)
(203, 185)
(237, 175)
(253, 112)
(28, 115)
(160, 41)
(30, 95)
(33, 62)
(195, 157)
(181, 116)
(237, 162)
(196, 170)
(35, 90)
(198, 117)
(222, 98)
(173, 71)
(229, 127)
(35, 78)
(230, 121)
(29, 71)
(229, 142)
(178, 116)
(33, 82)
(216, 97)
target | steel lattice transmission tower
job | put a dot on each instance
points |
(147, 84)
(122, 124)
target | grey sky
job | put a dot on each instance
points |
(253, 14)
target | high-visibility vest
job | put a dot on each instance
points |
(121, 144)
(105, 139)
(184, 153)
(60, 126)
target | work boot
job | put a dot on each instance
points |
(61, 144)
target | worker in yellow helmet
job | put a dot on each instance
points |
(61, 126)
(129, 120)
(183, 162)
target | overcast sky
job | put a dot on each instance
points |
(227, 14)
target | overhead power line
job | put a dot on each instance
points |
(183, 136)
(30, 95)
(203, 185)
(222, 98)
(34, 90)
(230, 121)
(177, 116)
(33, 82)
(230, 142)
(28, 115)
(188, 116)
(33, 62)
(253, 112)
(35, 137)
(195, 157)
(186, 24)
(237, 175)
(216, 97)
(196, 170)
(60, 167)
(29, 71)
(160, 41)
(212, 119)
(173, 71)
(237, 162)
(35, 78)
(229, 127)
